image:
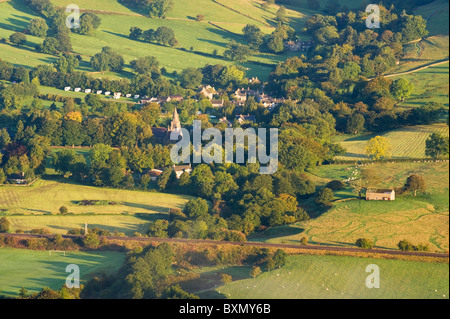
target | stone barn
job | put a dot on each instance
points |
(380, 194)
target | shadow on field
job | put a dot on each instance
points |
(204, 286)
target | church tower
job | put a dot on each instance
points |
(175, 125)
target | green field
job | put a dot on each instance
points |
(437, 15)
(204, 37)
(422, 219)
(406, 142)
(430, 85)
(37, 207)
(37, 269)
(336, 277)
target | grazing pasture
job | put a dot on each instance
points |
(406, 142)
(34, 270)
(337, 277)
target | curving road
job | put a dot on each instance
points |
(252, 244)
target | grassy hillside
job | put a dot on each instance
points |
(421, 219)
(406, 142)
(34, 270)
(39, 204)
(437, 15)
(203, 37)
(430, 85)
(332, 277)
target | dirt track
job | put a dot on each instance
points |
(254, 244)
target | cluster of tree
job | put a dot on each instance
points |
(154, 8)
(405, 245)
(107, 60)
(163, 35)
(273, 42)
(196, 221)
(60, 75)
(58, 39)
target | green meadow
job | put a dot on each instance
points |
(37, 206)
(34, 270)
(421, 219)
(334, 277)
(406, 142)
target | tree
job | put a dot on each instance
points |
(107, 60)
(405, 245)
(237, 52)
(145, 65)
(160, 8)
(49, 46)
(401, 89)
(324, 196)
(196, 209)
(135, 33)
(38, 27)
(63, 210)
(255, 272)
(378, 147)
(23, 293)
(254, 36)
(165, 36)
(281, 14)
(364, 243)
(415, 183)
(226, 279)
(18, 38)
(279, 258)
(191, 78)
(89, 22)
(200, 18)
(176, 292)
(67, 63)
(437, 146)
(91, 240)
(355, 123)
(4, 225)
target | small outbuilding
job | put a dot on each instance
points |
(380, 194)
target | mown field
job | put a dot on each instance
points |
(37, 207)
(406, 142)
(421, 219)
(34, 270)
(336, 277)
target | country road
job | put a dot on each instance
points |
(251, 244)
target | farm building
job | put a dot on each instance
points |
(117, 95)
(179, 170)
(380, 194)
(77, 90)
(154, 174)
(17, 179)
(67, 88)
(99, 92)
(107, 93)
(87, 91)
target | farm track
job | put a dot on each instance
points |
(419, 68)
(251, 244)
